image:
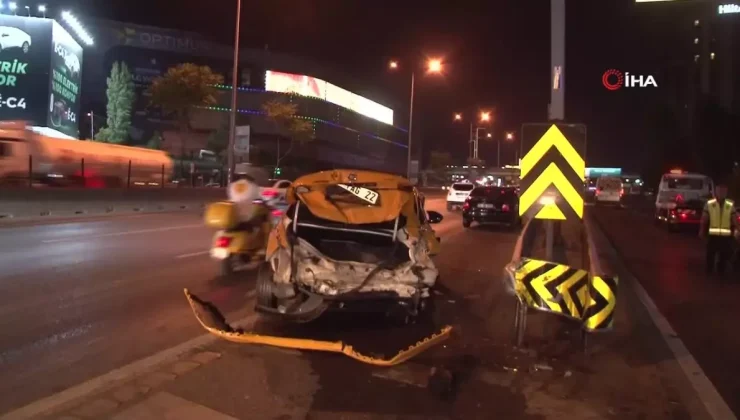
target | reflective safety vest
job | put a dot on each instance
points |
(720, 217)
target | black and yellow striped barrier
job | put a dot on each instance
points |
(566, 291)
(212, 321)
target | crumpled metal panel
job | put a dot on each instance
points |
(326, 276)
(212, 321)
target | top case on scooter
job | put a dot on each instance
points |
(221, 215)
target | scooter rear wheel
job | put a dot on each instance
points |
(227, 266)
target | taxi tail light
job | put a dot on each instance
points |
(223, 242)
(270, 193)
(277, 213)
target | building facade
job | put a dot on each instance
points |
(342, 137)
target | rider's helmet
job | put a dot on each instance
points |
(246, 185)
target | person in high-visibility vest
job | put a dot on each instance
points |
(719, 222)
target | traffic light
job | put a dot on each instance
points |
(277, 171)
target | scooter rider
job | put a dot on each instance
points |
(244, 191)
(718, 221)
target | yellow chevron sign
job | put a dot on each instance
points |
(567, 291)
(552, 175)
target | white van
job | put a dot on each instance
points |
(680, 189)
(609, 190)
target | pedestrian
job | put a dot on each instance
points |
(718, 222)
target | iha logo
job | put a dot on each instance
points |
(613, 79)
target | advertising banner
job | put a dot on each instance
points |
(24, 68)
(241, 140)
(301, 84)
(65, 81)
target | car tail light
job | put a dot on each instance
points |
(679, 198)
(466, 205)
(223, 242)
(621, 192)
(277, 213)
(597, 192)
(505, 207)
(270, 193)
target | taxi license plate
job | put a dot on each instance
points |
(485, 206)
(362, 193)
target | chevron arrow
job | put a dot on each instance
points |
(603, 300)
(551, 175)
(553, 137)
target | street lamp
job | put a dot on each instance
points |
(433, 66)
(232, 114)
(485, 117)
(42, 9)
(28, 10)
(489, 135)
(509, 136)
(12, 6)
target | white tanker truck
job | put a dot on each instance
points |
(63, 162)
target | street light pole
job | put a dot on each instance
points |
(92, 125)
(411, 124)
(232, 116)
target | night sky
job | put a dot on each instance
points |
(496, 54)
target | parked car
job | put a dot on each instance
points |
(458, 193)
(494, 205)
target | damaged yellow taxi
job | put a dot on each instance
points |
(350, 240)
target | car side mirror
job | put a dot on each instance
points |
(434, 217)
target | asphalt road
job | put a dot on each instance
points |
(79, 299)
(703, 311)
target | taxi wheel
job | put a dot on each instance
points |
(227, 266)
(264, 287)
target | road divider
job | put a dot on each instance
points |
(573, 285)
(47, 203)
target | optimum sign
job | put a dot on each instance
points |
(728, 9)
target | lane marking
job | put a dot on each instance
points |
(129, 232)
(705, 389)
(192, 254)
(141, 366)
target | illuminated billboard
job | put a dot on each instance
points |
(24, 68)
(316, 88)
(64, 84)
(40, 73)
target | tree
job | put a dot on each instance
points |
(218, 140)
(182, 88)
(121, 97)
(284, 116)
(155, 142)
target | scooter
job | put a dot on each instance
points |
(239, 245)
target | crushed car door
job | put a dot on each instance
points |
(426, 232)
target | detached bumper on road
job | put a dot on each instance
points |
(214, 322)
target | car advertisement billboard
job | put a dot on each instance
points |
(276, 81)
(64, 85)
(24, 68)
